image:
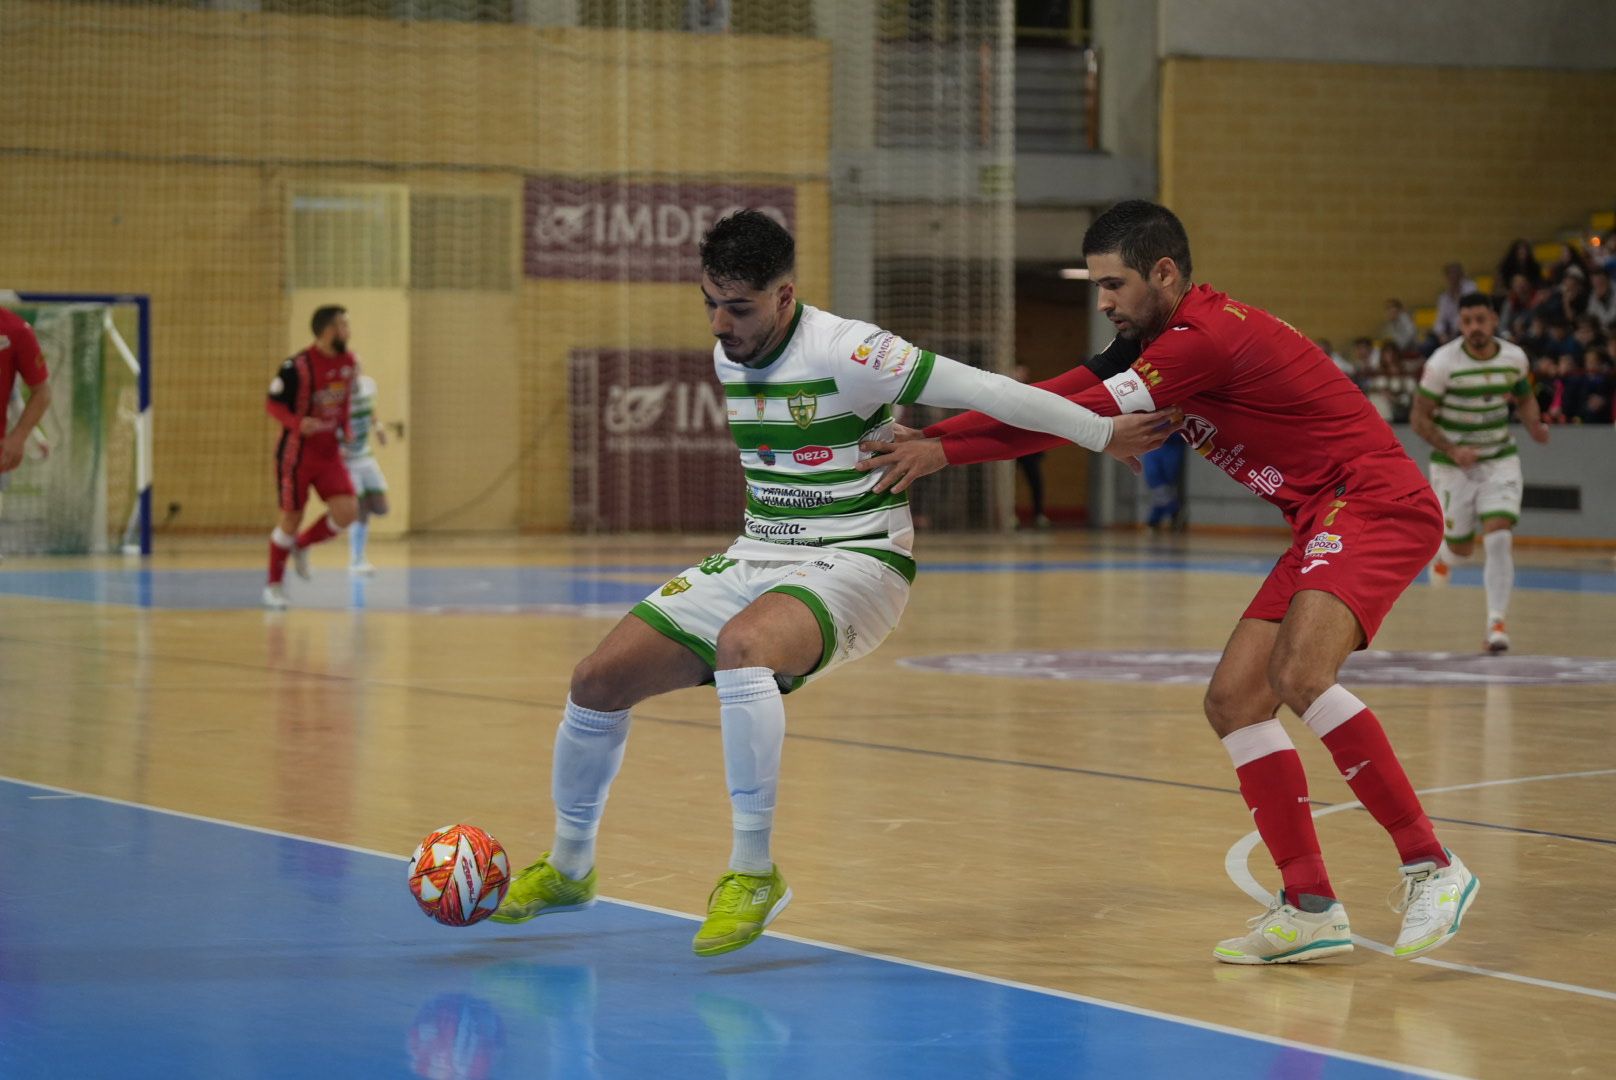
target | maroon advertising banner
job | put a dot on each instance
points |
(601, 230)
(651, 448)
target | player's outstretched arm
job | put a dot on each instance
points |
(16, 440)
(953, 385)
(908, 459)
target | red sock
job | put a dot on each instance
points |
(277, 562)
(1367, 761)
(320, 530)
(1275, 788)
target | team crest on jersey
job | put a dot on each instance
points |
(1325, 543)
(1198, 430)
(676, 586)
(804, 406)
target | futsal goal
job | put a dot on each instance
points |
(84, 486)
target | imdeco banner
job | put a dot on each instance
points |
(596, 230)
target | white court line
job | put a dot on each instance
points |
(1222, 1029)
(1235, 863)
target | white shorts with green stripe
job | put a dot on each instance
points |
(857, 600)
(1487, 489)
(367, 476)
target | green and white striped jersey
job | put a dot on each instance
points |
(1472, 396)
(361, 414)
(797, 416)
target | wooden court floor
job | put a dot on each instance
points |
(1072, 833)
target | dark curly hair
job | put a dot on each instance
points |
(1142, 233)
(750, 247)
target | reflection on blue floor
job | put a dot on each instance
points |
(488, 588)
(603, 591)
(135, 943)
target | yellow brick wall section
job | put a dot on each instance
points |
(150, 150)
(1319, 190)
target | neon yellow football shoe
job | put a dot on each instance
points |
(542, 890)
(740, 907)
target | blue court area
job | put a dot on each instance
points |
(604, 590)
(136, 943)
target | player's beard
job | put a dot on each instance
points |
(339, 345)
(1150, 321)
(741, 353)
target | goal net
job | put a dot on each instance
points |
(507, 196)
(78, 489)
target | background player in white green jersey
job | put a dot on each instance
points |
(818, 577)
(368, 482)
(1462, 410)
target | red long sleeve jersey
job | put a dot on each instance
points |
(1260, 401)
(314, 384)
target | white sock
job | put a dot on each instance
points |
(283, 540)
(1499, 574)
(588, 752)
(753, 718)
(357, 533)
(1446, 555)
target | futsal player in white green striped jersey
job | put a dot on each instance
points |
(1462, 410)
(818, 576)
(366, 473)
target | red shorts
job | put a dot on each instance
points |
(1362, 549)
(297, 470)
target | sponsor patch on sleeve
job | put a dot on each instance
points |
(1131, 392)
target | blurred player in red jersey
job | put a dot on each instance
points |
(309, 397)
(1265, 405)
(20, 355)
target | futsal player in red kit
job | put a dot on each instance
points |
(1264, 404)
(309, 398)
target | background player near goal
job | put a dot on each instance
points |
(1462, 410)
(309, 399)
(370, 486)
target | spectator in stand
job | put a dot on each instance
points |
(1543, 370)
(1588, 335)
(1522, 298)
(1598, 388)
(1391, 389)
(1601, 298)
(1564, 304)
(1447, 307)
(1363, 361)
(1565, 401)
(1554, 340)
(1571, 258)
(1535, 337)
(1519, 261)
(1605, 253)
(1399, 326)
